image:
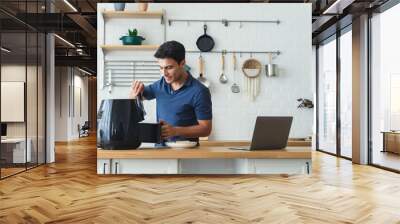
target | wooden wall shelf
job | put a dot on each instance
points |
(133, 14)
(130, 47)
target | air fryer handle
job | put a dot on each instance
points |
(139, 102)
(150, 132)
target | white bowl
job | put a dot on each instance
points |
(181, 144)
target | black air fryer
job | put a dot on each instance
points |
(118, 125)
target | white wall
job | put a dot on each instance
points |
(16, 73)
(68, 82)
(33, 126)
(61, 103)
(233, 114)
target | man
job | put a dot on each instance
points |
(183, 103)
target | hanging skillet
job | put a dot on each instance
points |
(205, 42)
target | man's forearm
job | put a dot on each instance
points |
(193, 131)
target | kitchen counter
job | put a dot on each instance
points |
(247, 143)
(206, 152)
(211, 157)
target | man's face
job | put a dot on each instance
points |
(171, 70)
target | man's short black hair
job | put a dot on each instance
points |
(171, 49)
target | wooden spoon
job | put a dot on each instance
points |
(235, 88)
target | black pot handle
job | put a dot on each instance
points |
(205, 29)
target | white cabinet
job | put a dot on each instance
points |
(21, 155)
(244, 166)
(16, 146)
(204, 166)
(144, 166)
(207, 166)
(279, 166)
(103, 166)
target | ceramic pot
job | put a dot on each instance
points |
(119, 6)
(142, 7)
(132, 40)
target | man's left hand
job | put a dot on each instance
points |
(167, 130)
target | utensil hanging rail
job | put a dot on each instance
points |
(223, 21)
(127, 60)
(236, 52)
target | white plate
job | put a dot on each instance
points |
(181, 144)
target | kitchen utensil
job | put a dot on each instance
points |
(222, 78)
(271, 69)
(109, 83)
(139, 101)
(181, 144)
(251, 69)
(205, 42)
(201, 77)
(235, 88)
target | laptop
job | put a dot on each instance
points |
(269, 133)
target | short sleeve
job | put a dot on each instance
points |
(149, 91)
(203, 105)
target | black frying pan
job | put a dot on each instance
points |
(205, 42)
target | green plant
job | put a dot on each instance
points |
(132, 33)
(132, 38)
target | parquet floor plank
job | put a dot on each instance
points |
(70, 191)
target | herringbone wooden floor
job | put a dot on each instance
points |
(70, 191)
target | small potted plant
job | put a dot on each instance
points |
(119, 6)
(142, 6)
(132, 38)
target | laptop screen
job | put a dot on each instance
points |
(271, 132)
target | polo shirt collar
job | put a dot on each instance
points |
(189, 80)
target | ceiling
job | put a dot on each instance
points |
(78, 25)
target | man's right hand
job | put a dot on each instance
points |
(137, 88)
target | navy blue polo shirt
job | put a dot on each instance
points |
(182, 107)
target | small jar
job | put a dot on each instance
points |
(142, 6)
